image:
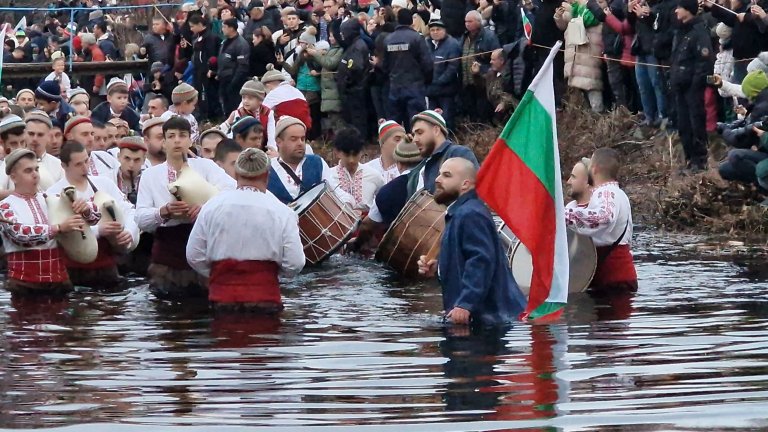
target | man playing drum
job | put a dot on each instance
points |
(478, 286)
(580, 185)
(244, 274)
(35, 262)
(294, 171)
(608, 221)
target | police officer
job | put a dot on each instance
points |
(233, 65)
(692, 61)
(408, 62)
(352, 75)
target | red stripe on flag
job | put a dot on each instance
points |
(509, 187)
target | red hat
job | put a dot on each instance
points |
(74, 121)
(132, 143)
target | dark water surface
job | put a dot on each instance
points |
(356, 349)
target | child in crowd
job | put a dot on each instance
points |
(58, 63)
(80, 101)
(357, 180)
(116, 105)
(184, 99)
(248, 132)
(226, 155)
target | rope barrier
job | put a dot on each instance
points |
(46, 9)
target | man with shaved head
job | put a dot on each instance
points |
(478, 287)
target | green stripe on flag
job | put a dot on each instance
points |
(545, 309)
(524, 136)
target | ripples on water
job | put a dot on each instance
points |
(356, 348)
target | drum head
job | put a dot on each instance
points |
(305, 200)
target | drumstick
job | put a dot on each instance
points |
(433, 251)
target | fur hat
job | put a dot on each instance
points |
(49, 91)
(407, 152)
(433, 117)
(389, 128)
(272, 75)
(254, 87)
(11, 121)
(38, 116)
(74, 121)
(182, 93)
(285, 122)
(132, 143)
(15, 157)
(252, 162)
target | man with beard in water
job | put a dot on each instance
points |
(478, 286)
(580, 185)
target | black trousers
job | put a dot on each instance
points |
(692, 123)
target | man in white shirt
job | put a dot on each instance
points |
(243, 273)
(100, 163)
(580, 185)
(359, 181)
(294, 171)
(608, 220)
(38, 137)
(390, 135)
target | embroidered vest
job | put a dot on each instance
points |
(311, 175)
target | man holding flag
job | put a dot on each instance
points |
(478, 286)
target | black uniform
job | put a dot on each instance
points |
(692, 61)
(234, 63)
(205, 47)
(352, 77)
(408, 62)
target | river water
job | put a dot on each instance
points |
(356, 349)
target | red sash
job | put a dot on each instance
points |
(616, 270)
(170, 246)
(233, 281)
(104, 259)
(37, 265)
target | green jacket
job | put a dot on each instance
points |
(577, 9)
(330, 100)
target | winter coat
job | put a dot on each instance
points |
(234, 63)
(583, 63)
(748, 36)
(452, 14)
(330, 100)
(445, 78)
(354, 67)
(623, 29)
(159, 48)
(262, 55)
(407, 59)
(692, 57)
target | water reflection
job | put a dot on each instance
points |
(357, 348)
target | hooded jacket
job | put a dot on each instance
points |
(354, 66)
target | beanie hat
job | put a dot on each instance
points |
(150, 123)
(182, 93)
(16, 156)
(244, 124)
(88, 39)
(156, 67)
(723, 32)
(407, 152)
(759, 63)
(389, 128)
(285, 122)
(691, 6)
(132, 143)
(49, 91)
(212, 131)
(308, 36)
(753, 84)
(11, 121)
(38, 116)
(272, 75)
(24, 91)
(116, 84)
(252, 162)
(322, 45)
(20, 33)
(254, 87)
(400, 3)
(78, 93)
(74, 121)
(431, 116)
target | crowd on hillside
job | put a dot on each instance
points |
(683, 64)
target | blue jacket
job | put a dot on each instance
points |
(474, 272)
(445, 78)
(312, 175)
(486, 41)
(431, 165)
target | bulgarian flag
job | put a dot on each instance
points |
(520, 181)
(527, 27)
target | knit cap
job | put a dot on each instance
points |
(400, 3)
(49, 91)
(272, 75)
(254, 87)
(22, 91)
(753, 84)
(252, 162)
(389, 128)
(759, 63)
(407, 152)
(308, 36)
(132, 143)
(431, 116)
(723, 32)
(691, 6)
(20, 33)
(150, 123)
(116, 84)
(182, 93)
(15, 157)
(322, 45)
(11, 121)
(78, 93)
(39, 116)
(243, 124)
(74, 121)
(285, 122)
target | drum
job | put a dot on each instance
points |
(416, 231)
(582, 257)
(325, 223)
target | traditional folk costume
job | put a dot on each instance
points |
(286, 100)
(50, 172)
(242, 272)
(608, 221)
(474, 272)
(393, 196)
(103, 164)
(386, 130)
(310, 172)
(574, 204)
(265, 115)
(170, 275)
(362, 186)
(102, 272)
